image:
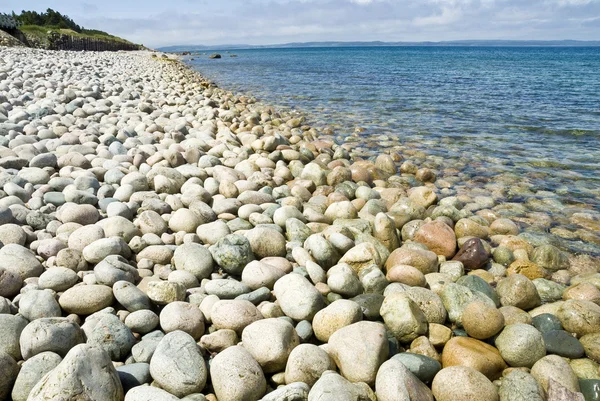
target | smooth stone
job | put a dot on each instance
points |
(11, 327)
(338, 314)
(423, 367)
(112, 335)
(58, 279)
(292, 287)
(115, 268)
(521, 345)
(31, 373)
(184, 317)
(20, 260)
(561, 343)
(234, 314)
(456, 298)
(133, 375)
(86, 299)
(465, 351)
(86, 372)
(177, 365)
(149, 393)
(291, 392)
(270, 342)
(482, 321)
(359, 350)
(555, 368)
(258, 274)
(472, 254)
(226, 288)
(57, 335)
(333, 387)
(142, 321)
(195, 259)
(306, 363)
(438, 237)
(546, 322)
(130, 296)
(266, 242)
(580, 317)
(463, 383)
(403, 318)
(219, 340)
(236, 375)
(590, 389)
(8, 374)
(38, 304)
(520, 386)
(396, 382)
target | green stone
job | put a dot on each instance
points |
(546, 322)
(561, 343)
(424, 367)
(590, 389)
(476, 283)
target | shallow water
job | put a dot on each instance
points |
(519, 124)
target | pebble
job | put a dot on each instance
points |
(333, 387)
(195, 259)
(270, 342)
(292, 287)
(465, 351)
(520, 386)
(423, 367)
(306, 363)
(110, 334)
(86, 299)
(463, 383)
(338, 314)
(553, 367)
(234, 314)
(85, 372)
(236, 375)
(394, 379)
(359, 350)
(32, 372)
(184, 317)
(482, 321)
(521, 345)
(177, 365)
(403, 317)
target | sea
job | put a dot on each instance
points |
(519, 124)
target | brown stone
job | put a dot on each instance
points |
(406, 274)
(425, 261)
(472, 254)
(583, 292)
(526, 268)
(438, 237)
(481, 320)
(465, 351)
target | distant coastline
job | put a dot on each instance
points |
(455, 43)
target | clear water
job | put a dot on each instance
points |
(523, 119)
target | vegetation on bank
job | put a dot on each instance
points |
(51, 21)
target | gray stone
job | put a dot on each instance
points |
(521, 345)
(232, 253)
(85, 373)
(20, 260)
(130, 296)
(396, 382)
(115, 268)
(11, 327)
(270, 342)
(112, 335)
(37, 304)
(333, 387)
(8, 374)
(423, 367)
(56, 335)
(293, 287)
(520, 386)
(177, 365)
(236, 375)
(31, 372)
(86, 299)
(195, 259)
(133, 375)
(149, 393)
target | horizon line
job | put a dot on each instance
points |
(473, 42)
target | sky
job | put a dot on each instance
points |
(157, 23)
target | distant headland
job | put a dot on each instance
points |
(474, 43)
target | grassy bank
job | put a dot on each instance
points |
(41, 32)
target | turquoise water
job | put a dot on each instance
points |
(519, 124)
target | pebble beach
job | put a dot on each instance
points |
(165, 239)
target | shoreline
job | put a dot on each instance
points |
(162, 220)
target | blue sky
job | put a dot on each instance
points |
(210, 22)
